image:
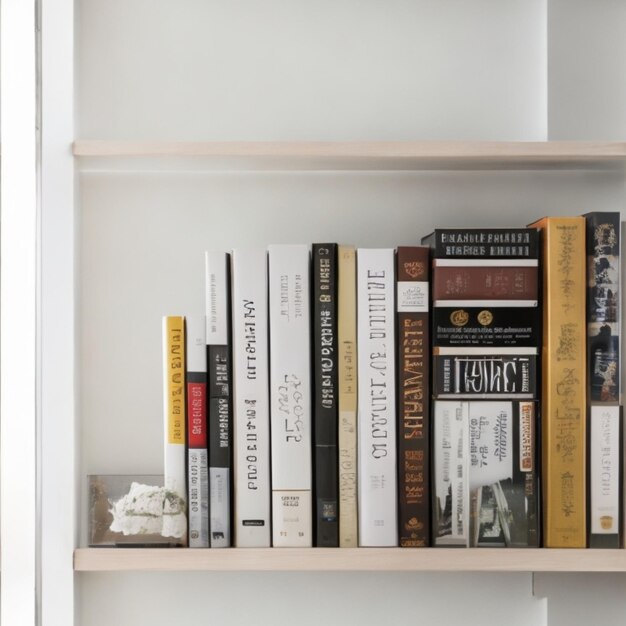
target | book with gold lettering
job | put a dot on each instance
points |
(174, 413)
(564, 382)
(412, 305)
(377, 467)
(347, 375)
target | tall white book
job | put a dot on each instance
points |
(219, 395)
(290, 395)
(252, 513)
(174, 414)
(377, 469)
(197, 453)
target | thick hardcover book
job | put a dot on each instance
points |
(494, 323)
(377, 467)
(563, 394)
(485, 279)
(485, 470)
(326, 396)
(347, 360)
(484, 373)
(220, 394)
(450, 473)
(484, 243)
(251, 422)
(197, 453)
(603, 376)
(174, 412)
(412, 305)
(290, 395)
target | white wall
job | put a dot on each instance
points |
(195, 69)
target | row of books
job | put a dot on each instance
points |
(379, 397)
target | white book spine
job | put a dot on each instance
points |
(604, 469)
(251, 400)
(451, 472)
(377, 471)
(174, 520)
(197, 455)
(220, 396)
(290, 394)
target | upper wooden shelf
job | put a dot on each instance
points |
(350, 559)
(360, 155)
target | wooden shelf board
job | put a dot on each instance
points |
(349, 559)
(357, 155)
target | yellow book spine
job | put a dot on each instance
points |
(174, 413)
(348, 528)
(564, 382)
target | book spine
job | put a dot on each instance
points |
(450, 469)
(347, 360)
(174, 411)
(563, 382)
(326, 395)
(197, 453)
(290, 395)
(412, 305)
(480, 376)
(377, 467)
(603, 378)
(481, 243)
(251, 400)
(502, 477)
(220, 409)
(500, 326)
(471, 282)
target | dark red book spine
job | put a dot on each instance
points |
(484, 282)
(413, 398)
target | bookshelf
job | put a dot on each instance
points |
(186, 126)
(349, 560)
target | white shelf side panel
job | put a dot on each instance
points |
(285, 599)
(335, 70)
(586, 69)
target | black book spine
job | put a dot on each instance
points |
(484, 243)
(326, 395)
(501, 326)
(484, 376)
(605, 462)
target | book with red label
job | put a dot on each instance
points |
(197, 453)
(219, 395)
(412, 306)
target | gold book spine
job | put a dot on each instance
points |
(348, 528)
(564, 382)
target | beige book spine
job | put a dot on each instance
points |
(348, 527)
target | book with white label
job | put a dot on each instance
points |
(252, 513)
(197, 453)
(377, 464)
(219, 395)
(290, 395)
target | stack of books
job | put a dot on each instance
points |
(341, 397)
